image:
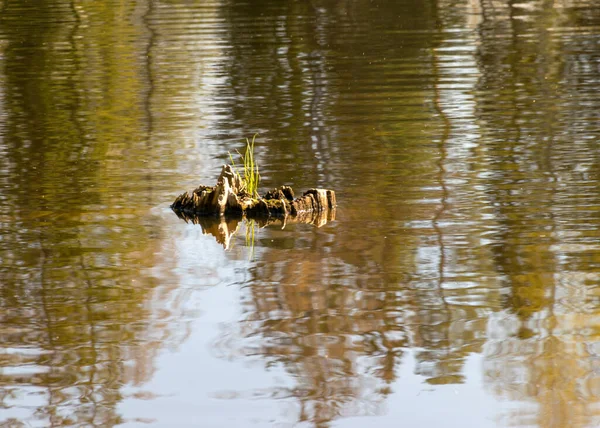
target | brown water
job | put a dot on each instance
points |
(459, 285)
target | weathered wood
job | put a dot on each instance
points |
(229, 197)
(220, 199)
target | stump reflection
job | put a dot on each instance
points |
(223, 228)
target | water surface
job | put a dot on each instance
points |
(458, 285)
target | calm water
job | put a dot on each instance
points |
(459, 285)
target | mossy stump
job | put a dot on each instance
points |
(229, 197)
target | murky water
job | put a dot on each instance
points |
(458, 286)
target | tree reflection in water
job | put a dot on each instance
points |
(474, 126)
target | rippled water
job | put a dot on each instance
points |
(457, 286)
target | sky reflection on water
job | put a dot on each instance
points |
(457, 285)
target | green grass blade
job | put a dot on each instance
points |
(251, 177)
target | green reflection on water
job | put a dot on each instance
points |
(462, 141)
(75, 249)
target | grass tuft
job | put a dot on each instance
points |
(251, 177)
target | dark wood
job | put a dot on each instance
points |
(228, 197)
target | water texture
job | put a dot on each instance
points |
(458, 285)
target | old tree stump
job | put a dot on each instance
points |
(229, 198)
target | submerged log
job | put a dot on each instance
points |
(229, 197)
